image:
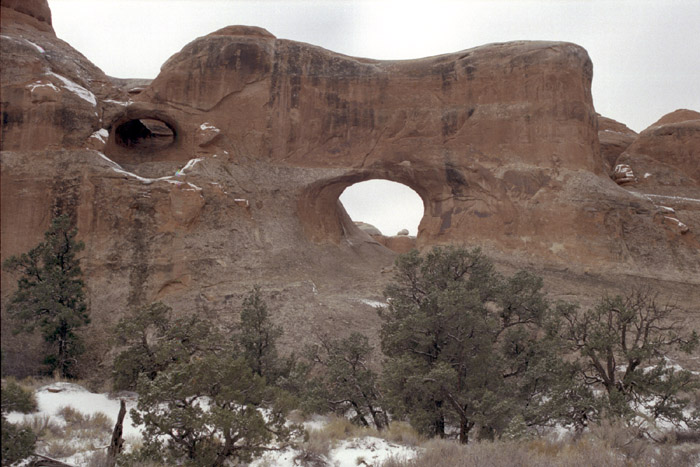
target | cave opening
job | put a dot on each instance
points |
(145, 134)
(384, 208)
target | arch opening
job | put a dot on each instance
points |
(145, 134)
(390, 212)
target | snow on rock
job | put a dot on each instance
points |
(39, 84)
(191, 163)
(206, 134)
(38, 48)
(208, 126)
(75, 88)
(101, 135)
(674, 198)
(118, 168)
(373, 303)
(622, 174)
(682, 228)
(112, 101)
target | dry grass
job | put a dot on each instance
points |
(402, 433)
(42, 426)
(97, 423)
(608, 444)
(58, 449)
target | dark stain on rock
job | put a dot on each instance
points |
(455, 179)
(450, 123)
(446, 221)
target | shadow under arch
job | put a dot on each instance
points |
(323, 216)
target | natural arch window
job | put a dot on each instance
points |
(391, 207)
(145, 134)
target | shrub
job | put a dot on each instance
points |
(17, 399)
(17, 442)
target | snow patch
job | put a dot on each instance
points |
(191, 163)
(102, 134)
(118, 168)
(676, 198)
(112, 101)
(39, 84)
(373, 303)
(38, 48)
(208, 126)
(370, 450)
(51, 398)
(75, 88)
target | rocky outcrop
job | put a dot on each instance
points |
(226, 171)
(614, 138)
(665, 161)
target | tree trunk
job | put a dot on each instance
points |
(464, 428)
(440, 426)
(115, 447)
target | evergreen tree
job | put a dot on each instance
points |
(50, 294)
(346, 383)
(257, 337)
(622, 346)
(209, 410)
(151, 340)
(465, 345)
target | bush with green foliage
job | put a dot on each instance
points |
(151, 340)
(209, 410)
(50, 294)
(466, 346)
(622, 346)
(257, 337)
(345, 381)
(17, 442)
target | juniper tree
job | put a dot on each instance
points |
(208, 410)
(622, 346)
(345, 381)
(465, 345)
(151, 340)
(50, 294)
(257, 336)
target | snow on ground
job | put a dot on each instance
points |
(346, 453)
(370, 450)
(52, 397)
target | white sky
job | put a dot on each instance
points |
(646, 53)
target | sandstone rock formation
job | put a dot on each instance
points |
(226, 171)
(614, 138)
(665, 160)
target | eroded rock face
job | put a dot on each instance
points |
(226, 171)
(614, 138)
(665, 160)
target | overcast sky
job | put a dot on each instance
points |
(646, 53)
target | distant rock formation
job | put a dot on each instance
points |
(614, 138)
